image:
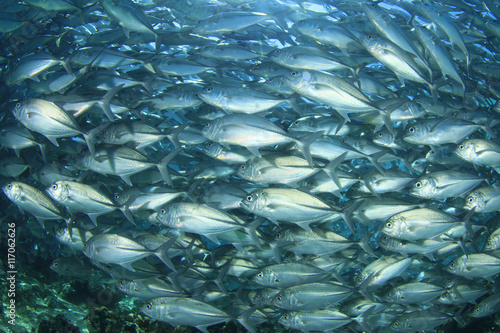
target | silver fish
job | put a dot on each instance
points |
(116, 249)
(31, 200)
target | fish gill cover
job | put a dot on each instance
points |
(249, 165)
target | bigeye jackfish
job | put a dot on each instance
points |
(78, 197)
(48, 119)
(290, 206)
(32, 200)
(123, 162)
(253, 132)
(116, 249)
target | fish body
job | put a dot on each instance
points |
(479, 152)
(445, 184)
(116, 249)
(48, 119)
(32, 200)
(419, 223)
(252, 132)
(289, 206)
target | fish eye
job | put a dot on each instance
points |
(249, 198)
(278, 298)
(149, 306)
(208, 89)
(243, 167)
(162, 211)
(276, 280)
(285, 317)
(9, 186)
(418, 184)
(359, 279)
(452, 264)
(370, 37)
(210, 144)
(488, 243)
(278, 235)
(270, 79)
(388, 224)
(55, 264)
(380, 134)
(296, 122)
(54, 187)
(117, 197)
(411, 129)
(85, 245)
(470, 200)
(277, 52)
(207, 124)
(18, 105)
(294, 73)
(260, 275)
(395, 323)
(461, 147)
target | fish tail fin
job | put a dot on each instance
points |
(243, 319)
(293, 103)
(347, 213)
(66, 63)
(104, 102)
(373, 158)
(42, 147)
(89, 139)
(488, 128)
(364, 244)
(174, 136)
(219, 279)
(126, 212)
(304, 143)
(332, 166)
(162, 166)
(362, 319)
(161, 253)
(364, 286)
(251, 232)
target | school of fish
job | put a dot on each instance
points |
(310, 165)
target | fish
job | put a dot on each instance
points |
(479, 152)
(311, 296)
(289, 205)
(188, 312)
(201, 219)
(442, 185)
(71, 267)
(48, 119)
(116, 249)
(253, 132)
(78, 197)
(123, 162)
(33, 201)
